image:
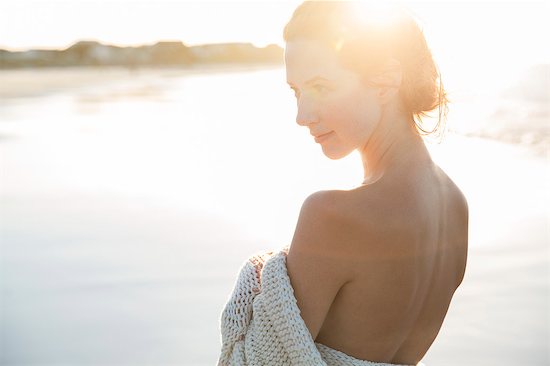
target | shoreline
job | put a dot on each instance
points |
(40, 81)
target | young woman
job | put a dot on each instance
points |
(371, 271)
(373, 268)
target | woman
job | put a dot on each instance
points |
(373, 269)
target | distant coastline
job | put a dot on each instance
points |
(162, 53)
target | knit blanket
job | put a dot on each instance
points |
(261, 323)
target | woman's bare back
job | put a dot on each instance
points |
(409, 258)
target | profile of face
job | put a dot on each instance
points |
(330, 98)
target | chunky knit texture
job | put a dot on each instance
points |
(261, 323)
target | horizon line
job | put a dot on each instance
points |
(136, 45)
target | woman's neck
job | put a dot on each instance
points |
(394, 145)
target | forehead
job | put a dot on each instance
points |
(305, 59)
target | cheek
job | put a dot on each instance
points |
(335, 113)
(352, 113)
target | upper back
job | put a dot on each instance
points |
(408, 251)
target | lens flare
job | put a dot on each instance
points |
(374, 17)
(377, 14)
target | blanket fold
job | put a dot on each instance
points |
(261, 323)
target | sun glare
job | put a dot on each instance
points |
(376, 14)
(369, 15)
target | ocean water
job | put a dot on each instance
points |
(129, 199)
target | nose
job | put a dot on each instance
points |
(307, 112)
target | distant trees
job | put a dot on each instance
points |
(164, 53)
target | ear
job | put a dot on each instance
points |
(388, 81)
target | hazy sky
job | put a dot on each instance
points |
(57, 24)
(489, 38)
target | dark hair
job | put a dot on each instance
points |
(363, 45)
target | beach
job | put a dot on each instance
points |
(130, 200)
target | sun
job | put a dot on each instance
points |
(370, 17)
(376, 14)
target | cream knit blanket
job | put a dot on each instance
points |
(261, 323)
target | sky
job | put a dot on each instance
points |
(57, 24)
(492, 38)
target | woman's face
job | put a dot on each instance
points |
(330, 98)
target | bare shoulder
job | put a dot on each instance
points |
(319, 219)
(340, 224)
(458, 197)
(336, 210)
(322, 202)
(459, 204)
(326, 235)
(314, 263)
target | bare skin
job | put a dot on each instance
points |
(409, 247)
(406, 271)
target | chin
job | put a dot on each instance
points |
(333, 154)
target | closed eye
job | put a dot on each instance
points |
(319, 88)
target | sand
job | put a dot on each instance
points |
(32, 82)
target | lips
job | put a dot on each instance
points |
(323, 137)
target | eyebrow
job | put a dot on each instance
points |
(313, 79)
